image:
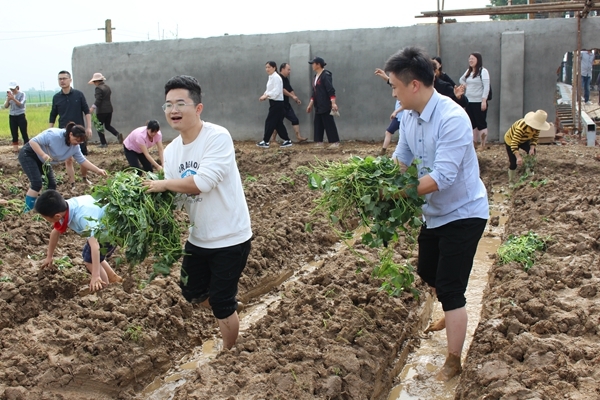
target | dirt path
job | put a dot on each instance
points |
(333, 335)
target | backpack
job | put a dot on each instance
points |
(490, 92)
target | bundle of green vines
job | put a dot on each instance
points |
(139, 222)
(384, 198)
(376, 190)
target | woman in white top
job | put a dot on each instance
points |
(477, 82)
(274, 121)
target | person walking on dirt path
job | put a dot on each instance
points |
(394, 118)
(103, 108)
(587, 64)
(15, 100)
(437, 132)
(50, 147)
(274, 121)
(139, 141)
(288, 92)
(523, 134)
(69, 105)
(324, 102)
(200, 164)
(81, 214)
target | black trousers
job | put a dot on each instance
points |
(134, 159)
(326, 123)
(512, 158)
(274, 121)
(105, 119)
(18, 122)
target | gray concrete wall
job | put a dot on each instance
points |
(231, 71)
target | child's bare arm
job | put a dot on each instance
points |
(96, 283)
(54, 236)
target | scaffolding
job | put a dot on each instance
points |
(581, 8)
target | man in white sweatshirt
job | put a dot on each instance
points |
(200, 165)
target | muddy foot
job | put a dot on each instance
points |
(437, 325)
(450, 369)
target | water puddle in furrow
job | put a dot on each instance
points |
(418, 375)
(163, 387)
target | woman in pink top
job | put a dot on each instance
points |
(139, 141)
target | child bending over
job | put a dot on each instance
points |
(82, 215)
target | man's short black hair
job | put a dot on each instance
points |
(411, 63)
(186, 82)
(282, 66)
(65, 72)
(50, 203)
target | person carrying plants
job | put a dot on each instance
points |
(139, 141)
(200, 165)
(51, 147)
(436, 132)
(523, 134)
(81, 214)
(103, 108)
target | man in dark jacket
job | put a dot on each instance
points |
(103, 107)
(323, 100)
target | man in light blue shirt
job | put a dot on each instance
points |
(587, 63)
(436, 132)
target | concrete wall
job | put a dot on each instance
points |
(231, 71)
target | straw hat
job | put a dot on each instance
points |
(97, 77)
(537, 120)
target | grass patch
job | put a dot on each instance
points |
(522, 249)
(37, 121)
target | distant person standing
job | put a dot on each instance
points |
(442, 75)
(587, 63)
(288, 92)
(103, 107)
(477, 83)
(69, 105)
(274, 121)
(15, 99)
(323, 101)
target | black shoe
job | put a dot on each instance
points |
(263, 144)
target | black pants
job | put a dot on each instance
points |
(512, 158)
(134, 159)
(274, 121)
(18, 122)
(105, 119)
(326, 123)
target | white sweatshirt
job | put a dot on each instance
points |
(219, 214)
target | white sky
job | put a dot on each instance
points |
(37, 37)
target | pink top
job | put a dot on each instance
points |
(138, 137)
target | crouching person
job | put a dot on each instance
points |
(81, 214)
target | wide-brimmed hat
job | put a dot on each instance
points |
(97, 77)
(318, 60)
(12, 85)
(537, 120)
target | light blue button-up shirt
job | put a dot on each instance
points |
(442, 139)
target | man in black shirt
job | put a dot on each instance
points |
(70, 105)
(290, 115)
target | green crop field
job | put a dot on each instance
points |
(37, 121)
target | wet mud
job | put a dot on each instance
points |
(331, 334)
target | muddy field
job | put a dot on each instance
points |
(331, 334)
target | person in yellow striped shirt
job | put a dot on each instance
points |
(523, 134)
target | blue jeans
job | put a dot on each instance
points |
(585, 82)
